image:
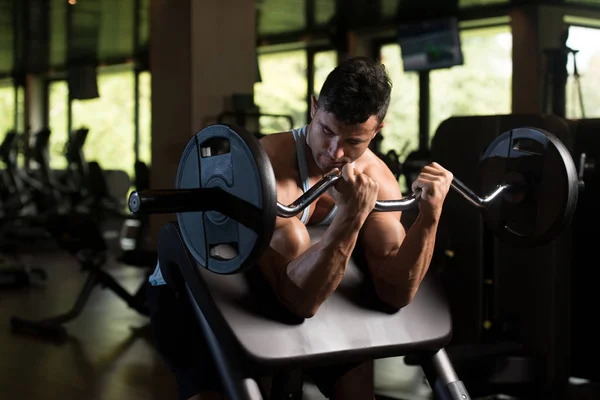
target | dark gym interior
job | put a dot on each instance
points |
(99, 99)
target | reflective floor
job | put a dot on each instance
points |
(109, 353)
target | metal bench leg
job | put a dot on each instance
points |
(237, 387)
(442, 378)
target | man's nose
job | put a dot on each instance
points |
(335, 150)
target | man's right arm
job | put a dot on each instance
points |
(302, 275)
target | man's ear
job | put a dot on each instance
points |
(379, 128)
(314, 104)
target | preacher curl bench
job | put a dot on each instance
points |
(225, 193)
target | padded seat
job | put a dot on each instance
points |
(250, 333)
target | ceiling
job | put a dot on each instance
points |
(50, 34)
(284, 16)
(42, 35)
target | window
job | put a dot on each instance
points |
(324, 11)
(401, 132)
(145, 118)
(58, 102)
(483, 85)
(122, 137)
(110, 119)
(585, 40)
(7, 113)
(324, 63)
(283, 89)
(7, 108)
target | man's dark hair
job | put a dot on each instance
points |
(356, 89)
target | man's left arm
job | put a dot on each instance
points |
(397, 260)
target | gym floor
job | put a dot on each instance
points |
(109, 353)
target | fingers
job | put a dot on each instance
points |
(429, 182)
(334, 171)
(432, 171)
(348, 172)
(428, 187)
(365, 180)
(351, 178)
(433, 180)
(426, 177)
(436, 169)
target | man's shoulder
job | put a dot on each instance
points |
(281, 149)
(372, 163)
(273, 140)
(277, 135)
(376, 168)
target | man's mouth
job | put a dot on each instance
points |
(332, 165)
(328, 163)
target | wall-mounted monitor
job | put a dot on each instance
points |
(430, 44)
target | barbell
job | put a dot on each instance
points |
(225, 194)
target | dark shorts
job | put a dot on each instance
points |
(179, 341)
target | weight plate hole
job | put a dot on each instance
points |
(224, 251)
(215, 146)
(527, 145)
(516, 230)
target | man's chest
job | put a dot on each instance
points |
(319, 209)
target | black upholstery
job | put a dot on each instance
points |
(584, 274)
(526, 307)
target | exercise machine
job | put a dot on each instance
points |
(78, 231)
(225, 195)
(13, 273)
(79, 234)
(509, 303)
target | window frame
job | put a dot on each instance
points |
(310, 50)
(424, 76)
(102, 69)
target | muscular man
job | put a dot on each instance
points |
(347, 116)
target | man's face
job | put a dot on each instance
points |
(334, 144)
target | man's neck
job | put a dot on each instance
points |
(313, 169)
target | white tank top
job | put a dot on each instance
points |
(300, 138)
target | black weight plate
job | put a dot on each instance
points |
(540, 164)
(233, 160)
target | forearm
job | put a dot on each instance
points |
(398, 276)
(312, 277)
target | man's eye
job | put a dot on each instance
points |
(328, 133)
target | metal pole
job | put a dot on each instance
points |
(136, 80)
